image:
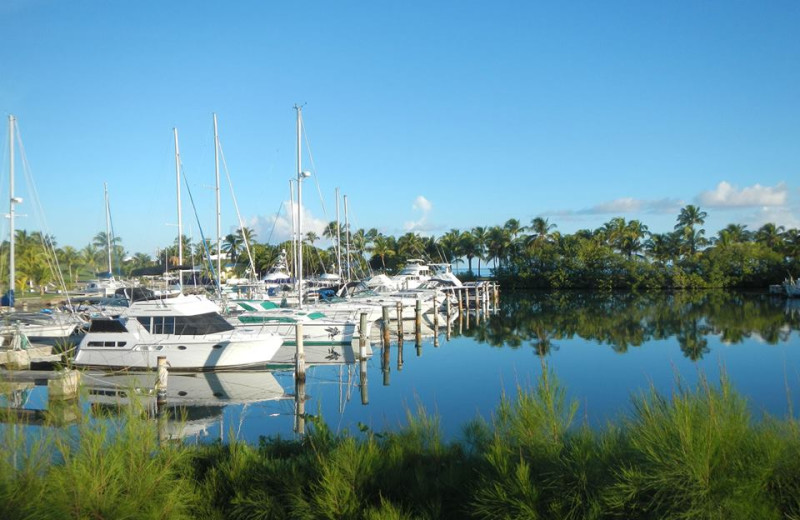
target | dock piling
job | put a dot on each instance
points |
(385, 325)
(300, 357)
(362, 336)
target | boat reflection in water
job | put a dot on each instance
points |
(194, 401)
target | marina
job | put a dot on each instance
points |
(603, 349)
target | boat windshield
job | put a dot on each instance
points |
(208, 323)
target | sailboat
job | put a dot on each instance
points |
(48, 325)
(105, 285)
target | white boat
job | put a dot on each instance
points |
(412, 274)
(46, 326)
(318, 328)
(104, 286)
(791, 287)
(188, 330)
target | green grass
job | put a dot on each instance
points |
(696, 453)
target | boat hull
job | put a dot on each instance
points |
(183, 354)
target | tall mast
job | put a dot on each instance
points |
(338, 239)
(108, 229)
(12, 201)
(294, 228)
(299, 209)
(178, 185)
(347, 237)
(219, 221)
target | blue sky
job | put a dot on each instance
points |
(427, 115)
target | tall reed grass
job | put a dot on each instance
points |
(696, 453)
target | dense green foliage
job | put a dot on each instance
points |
(618, 255)
(696, 453)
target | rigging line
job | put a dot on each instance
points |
(275, 222)
(202, 237)
(314, 169)
(114, 241)
(51, 257)
(238, 214)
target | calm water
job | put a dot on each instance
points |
(602, 348)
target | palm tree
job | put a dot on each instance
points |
(480, 237)
(540, 228)
(101, 241)
(410, 246)
(449, 243)
(633, 234)
(689, 217)
(89, 257)
(68, 256)
(770, 235)
(331, 231)
(732, 234)
(382, 247)
(662, 247)
(469, 248)
(232, 244)
(497, 244)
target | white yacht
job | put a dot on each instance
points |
(45, 326)
(188, 330)
(325, 340)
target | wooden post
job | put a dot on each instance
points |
(496, 296)
(385, 325)
(418, 325)
(435, 314)
(362, 382)
(385, 368)
(362, 337)
(435, 322)
(478, 305)
(447, 307)
(300, 357)
(418, 317)
(399, 322)
(466, 305)
(399, 356)
(300, 405)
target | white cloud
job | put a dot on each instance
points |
(728, 196)
(423, 205)
(278, 228)
(780, 216)
(631, 205)
(623, 205)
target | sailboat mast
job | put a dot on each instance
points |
(12, 201)
(178, 185)
(338, 239)
(347, 238)
(294, 228)
(299, 209)
(219, 221)
(108, 228)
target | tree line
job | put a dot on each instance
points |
(620, 254)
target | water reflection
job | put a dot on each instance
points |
(194, 401)
(624, 321)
